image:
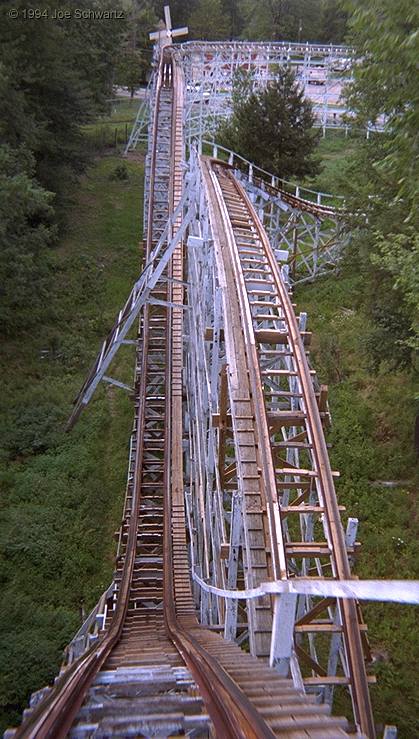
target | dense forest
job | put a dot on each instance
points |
(56, 75)
(69, 250)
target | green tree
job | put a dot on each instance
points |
(290, 20)
(208, 21)
(59, 75)
(130, 70)
(180, 10)
(54, 76)
(273, 128)
(233, 13)
(142, 19)
(333, 22)
(26, 232)
(384, 176)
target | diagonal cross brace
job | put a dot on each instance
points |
(138, 297)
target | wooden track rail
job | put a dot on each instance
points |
(154, 670)
(271, 326)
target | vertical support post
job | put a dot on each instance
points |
(236, 526)
(222, 424)
(336, 641)
(302, 321)
(294, 250)
(351, 534)
(282, 642)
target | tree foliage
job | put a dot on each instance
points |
(135, 52)
(383, 185)
(290, 20)
(278, 20)
(130, 70)
(208, 21)
(333, 22)
(54, 77)
(26, 231)
(272, 127)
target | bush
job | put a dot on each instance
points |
(120, 172)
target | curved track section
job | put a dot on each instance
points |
(291, 482)
(153, 670)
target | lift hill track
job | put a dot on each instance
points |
(263, 508)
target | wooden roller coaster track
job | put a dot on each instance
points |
(154, 670)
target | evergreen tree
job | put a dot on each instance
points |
(273, 128)
(134, 56)
(142, 19)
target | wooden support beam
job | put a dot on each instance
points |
(285, 419)
(301, 472)
(310, 662)
(313, 549)
(209, 334)
(271, 336)
(315, 611)
(323, 405)
(334, 680)
(222, 425)
(216, 420)
(297, 438)
(305, 509)
(230, 472)
(301, 498)
(224, 550)
(293, 484)
(323, 628)
(308, 549)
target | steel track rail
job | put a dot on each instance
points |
(348, 609)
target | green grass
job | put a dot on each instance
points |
(333, 151)
(373, 418)
(113, 129)
(62, 493)
(123, 109)
(373, 413)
